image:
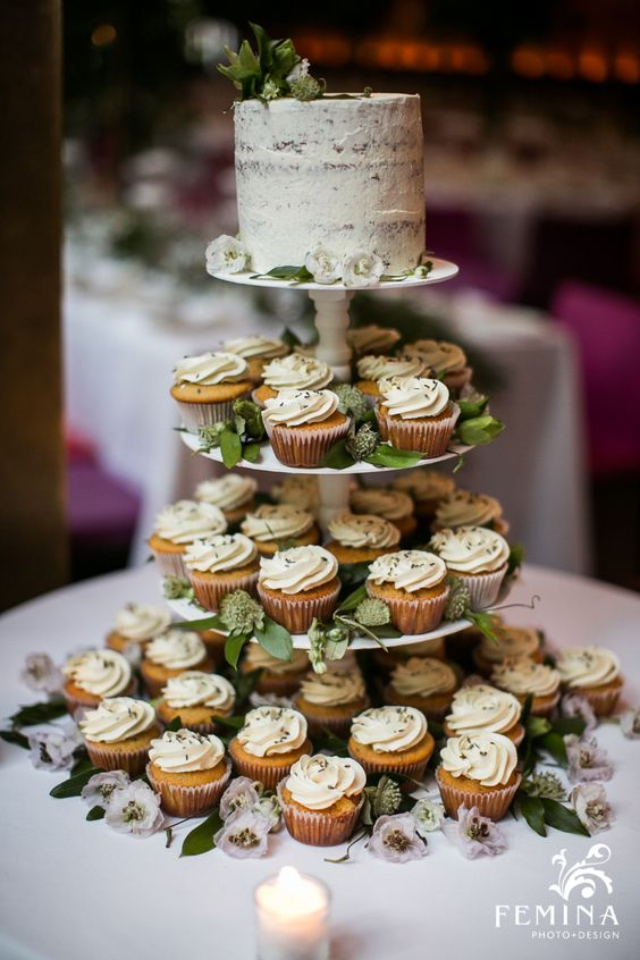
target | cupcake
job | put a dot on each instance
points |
(372, 339)
(206, 387)
(415, 413)
(171, 654)
(478, 770)
(392, 505)
(137, 623)
(484, 709)
(425, 683)
(178, 525)
(298, 491)
(392, 740)
(321, 799)
(214, 643)
(269, 743)
(220, 565)
(118, 733)
(257, 351)
(360, 538)
(298, 586)
(464, 509)
(388, 660)
(476, 556)
(592, 673)
(524, 677)
(510, 643)
(233, 494)
(413, 583)
(197, 698)
(331, 700)
(272, 525)
(295, 372)
(188, 771)
(280, 677)
(447, 360)
(371, 369)
(426, 487)
(94, 675)
(303, 425)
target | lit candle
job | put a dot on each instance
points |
(292, 917)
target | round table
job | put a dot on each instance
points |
(73, 890)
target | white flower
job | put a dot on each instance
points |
(101, 787)
(53, 751)
(226, 255)
(630, 723)
(591, 806)
(40, 673)
(422, 272)
(134, 809)
(299, 71)
(428, 815)
(362, 270)
(323, 266)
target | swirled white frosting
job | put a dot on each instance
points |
(273, 522)
(363, 530)
(471, 549)
(262, 347)
(489, 758)
(523, 676)
(372, 339)
(294, 408)
(509, 643)
(389, 729)
(423, 677)
(183, 751)
(318, 782)
(381, 502)
(194, 688)
(176, 650)
(441, 356)
(227, 493)
(587, 666)
(333, 689)
(210, 369)
(302, 492)
(483, 708)
(381, 367)
(424, 484)
(186, 520)
(465, 509)
(257, 658)
(411, 398)
(117, 718)
(269, 731)
(226, 551)
(297, 372)
(138, 622)
(298, 570)
(408, 570)
(102, 673)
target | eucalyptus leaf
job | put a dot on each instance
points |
(230, 448)
(233, 648)
(96, 813)
(74, 785)
(275, 639)
(532, 809)
(36, 713)
(389, 456)
(479, 430)
(200, 840)
(338, 457)
(562, 818)
(14, 737)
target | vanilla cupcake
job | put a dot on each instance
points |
(137, 623)
(94, 675)
(478, 557)
(269, 743)
(447, 360)
(592, 673)
(272, 525)
(331, 700)
(188, 771)
(484, 709)
(415, 413)
(358, 538)
(391, 740)
(372, 339)
(233, 494)
(426, 487)
(392, 505)
(413, 583)
(510, 643)
(303, 425)
(178, 525)
(478, 770)
(388, 660)
(221, 565)
(425, 683)
(118, 733)
(298, 586)
(301, 491)
(206, 387)
(257, 351)
(280, 677)
(464, 509)
(171, 654)
(371, 369)
(295, 372)
(321, 799)
(524, 677)
(197, 698)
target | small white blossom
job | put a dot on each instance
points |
(475, 835)
(300, 70)
(591, 806)
(362, 270)
(226, 255)
(244, 836)
(53, 751)
(101, 787)
(40, 673)
(134, 809)
(428, 815)
(323, 266)
(630, 723)
(396, 838)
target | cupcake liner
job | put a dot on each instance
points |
(209, 593)
(110, 757)
(315, 828)
(415, 771)
(282, 686)
(269, 776)
(189, 801)
(339, 726)
(196, 415)
(483, 587)
(415, 616)
(297, 613)
(305, 448)
(544, 706)
(169, 564)
(493, 804)
(456, 381)
(601, 701)
(430, 437)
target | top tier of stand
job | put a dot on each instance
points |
(441, 270)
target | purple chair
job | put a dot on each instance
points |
(101, 509)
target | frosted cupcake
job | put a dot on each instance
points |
(415, 413)
(118, 733)
(94, 675)
(510, 643)
(392, 505)
(392, 740)
(388, 660)
(484, 709)
(137, 623)
(371, 369)
(232, 494)
(188, 771)
(413, 583)
(257, 351)
(372, 339)
(427, 488)
(171, 654)
(331, 700)
(358, 538)
(220, 565)
(299, 491)
(303, 425)
(425, 683)
(321, 799)
(280, 677)
(197, 698)
(478, 771)
(464, 509)
(178, 525)
(206, 387)
(447, 360)
(269, 743)
(524, 677)
(295, 372)
(478, 557)
(298, 586)
(592, 673)
(272, 525)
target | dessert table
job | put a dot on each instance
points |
(73, 890)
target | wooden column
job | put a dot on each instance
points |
(33, 540)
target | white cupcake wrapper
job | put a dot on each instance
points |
(170, 564)
(483, 587)
(315, 828)
(297, 613)
(209, 593)
(189, 801)
(196, 415)
(414, 617)
(431, 438)
(304, 448)
(493, 804)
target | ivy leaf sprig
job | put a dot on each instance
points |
(239, 438)
(357, 616)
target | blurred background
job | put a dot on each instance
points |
(532, 165)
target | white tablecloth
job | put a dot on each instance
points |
(72, 890)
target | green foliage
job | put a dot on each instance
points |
(177, 588)
(479, 430)
(200, 839)
(36, 713)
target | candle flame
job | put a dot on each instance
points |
(288, 881)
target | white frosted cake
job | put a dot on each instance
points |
(346, 175)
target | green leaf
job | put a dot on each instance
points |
(96, 813)
(338, 457)
(13, 736)
(436, 730)
(82, 763)
(176, 724)
(483, 622)
(200, 840)
(537, 726)
(562, 818)
(290, 338)
(479, 430)
(471, 409)
(251, 415)
(388, 456)
(554, 744)
(245, 683)
(275, 639)
(230, 448)
(568, 725)
(336, 649)
(233, 648)
(251, 452)
(300, 274)
(74, 785)
(214, 622)
(516, 558)
(385, 632)
(233, 723)
(532, 810)
(36, 713)
(353, 600)
(353, 573)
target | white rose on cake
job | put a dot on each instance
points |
(323, 266)
(362, 270)
(226, 255)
